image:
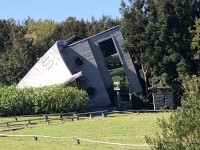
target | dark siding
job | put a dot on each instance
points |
(101, 64)
(89, 70)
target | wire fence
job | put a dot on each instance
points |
(77, 139)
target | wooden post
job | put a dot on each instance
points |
(60, 117)
(7, 124)
(78, 141)
(35, 138)
(154, 104)
(46, 118)
(76, 116)
(29, 122)
(16, 119)
(91, 116)
(130, 98)
(104, 114)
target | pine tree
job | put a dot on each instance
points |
(4, 34)
(195, 31)
(156, 35)
(17, 55)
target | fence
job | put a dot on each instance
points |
(77, 140)
(19, 123)
(73, 116)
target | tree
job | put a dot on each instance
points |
(40, 33)
(4, 34)
(70, 27)
(182, 130)
(157, 36)
(102, 24)
(15, 63)
(16, 57)
(195, 44)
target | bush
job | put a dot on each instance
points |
(51, 99)
(182, 130)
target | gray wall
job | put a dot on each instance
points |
(58, 65)
(89, 69)
(125, 58)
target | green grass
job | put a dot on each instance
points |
(119, 128)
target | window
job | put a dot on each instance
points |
(91, 91)
(78, 62)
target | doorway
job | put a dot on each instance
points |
(115, 69)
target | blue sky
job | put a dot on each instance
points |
(58, 10)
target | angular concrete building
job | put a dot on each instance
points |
(86, 62)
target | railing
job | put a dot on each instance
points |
(47, 118)
(72, 116)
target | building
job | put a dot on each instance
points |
(90, 62)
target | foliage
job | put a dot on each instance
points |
(16, 53)
(40, 34)
(182, 130)
(195, 44)
(157, 37)
(14, 101)
(23, 43)
(15, 62)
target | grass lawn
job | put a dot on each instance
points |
(118, 128)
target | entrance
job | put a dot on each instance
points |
(115, 68)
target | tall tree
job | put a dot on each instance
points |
(4, 34)
(157, 35)
(40, 33)
(70, 27)
(195, 43)
(16, 57)
(95, 26)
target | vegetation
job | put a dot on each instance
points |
(52, 99)
(119, 128)
(23, 43)
(182, 130)
(158, 38)
(162, 41)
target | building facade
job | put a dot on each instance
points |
(88, 61)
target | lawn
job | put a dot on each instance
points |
(119, 128)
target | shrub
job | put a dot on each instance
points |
(182, 130)
(51, 99)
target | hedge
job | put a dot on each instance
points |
(51, 99)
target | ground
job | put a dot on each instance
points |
(119, 128)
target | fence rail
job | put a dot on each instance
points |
(77, 139)
(73, 116)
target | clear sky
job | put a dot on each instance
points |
(58, 10)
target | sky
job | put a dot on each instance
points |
(59, 10)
